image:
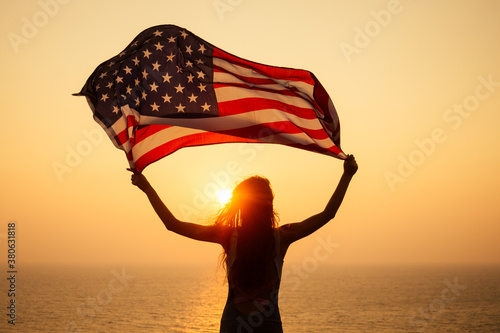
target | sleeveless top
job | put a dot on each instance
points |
(266, 316)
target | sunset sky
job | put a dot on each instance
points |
(416, 85)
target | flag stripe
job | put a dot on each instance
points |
(225, 94)
(230, 76)
(152, 147)
(256, 90)
(260, 132)
(280, 73)
(248, 104)
(226, 72)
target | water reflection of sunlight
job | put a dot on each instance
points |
(207, 309)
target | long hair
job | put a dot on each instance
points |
(251, 214)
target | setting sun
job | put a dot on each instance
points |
(224, 195)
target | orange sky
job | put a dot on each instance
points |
(416, 85)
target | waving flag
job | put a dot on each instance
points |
(170, 89)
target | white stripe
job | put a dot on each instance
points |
(226, 94)
(119, 126)
(160, 138)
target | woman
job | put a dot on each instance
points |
(254, 246)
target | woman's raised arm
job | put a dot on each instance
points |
(195, 231)
(295, 231)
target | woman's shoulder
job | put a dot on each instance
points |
(284, 230)
(225, 234)
(285, 237)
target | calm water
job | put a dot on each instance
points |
(317, 299)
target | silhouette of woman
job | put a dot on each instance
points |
(254, 246)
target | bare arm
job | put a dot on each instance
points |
(295, 231)
(187, 229)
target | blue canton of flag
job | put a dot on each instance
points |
(146, 78)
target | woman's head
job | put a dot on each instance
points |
(250, 208)
(253, 193)
(252, 199)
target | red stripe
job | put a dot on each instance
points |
(269, 129)
(280, 73)
(121, 137)
(284, 92)
(244, 105)
(322, 100)
(249, 79)
(129, 156)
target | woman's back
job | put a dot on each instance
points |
(254, 306)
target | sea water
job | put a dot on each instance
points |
(190, 298)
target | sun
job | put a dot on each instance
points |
(223, 195)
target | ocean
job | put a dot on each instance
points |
(321, 298)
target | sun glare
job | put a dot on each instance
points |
(223, 195)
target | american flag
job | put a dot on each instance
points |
(170, 89)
